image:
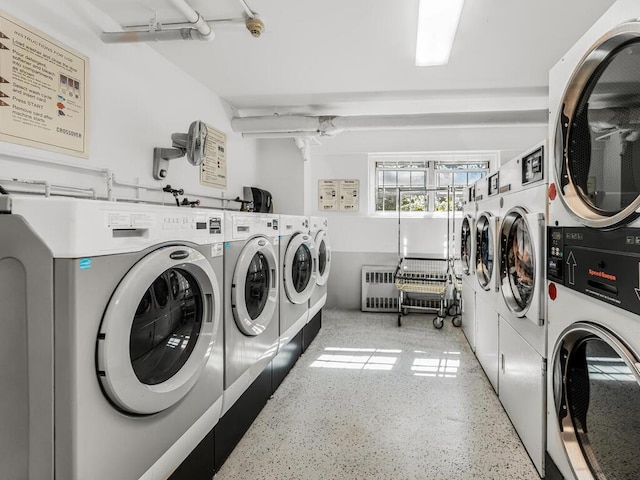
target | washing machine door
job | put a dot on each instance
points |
(254, 292)
(300, 268)
(597, 402)
(521, 235)
(466, 245)
(158, 330)
(486, 250)
(597, 140)
(324, 257)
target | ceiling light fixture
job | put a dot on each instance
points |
(437, 25)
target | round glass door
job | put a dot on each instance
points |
(598, 133)
(484, 250)
(597, 396)
(466, 236)
(517, 261)
(158, 330)
(300, 263)
(324, 257)
(254, 291)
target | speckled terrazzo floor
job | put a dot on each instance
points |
(369, 400)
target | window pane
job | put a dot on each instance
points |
(417, 179)
(460, 178)
(390, 200)
(414, 203)
(380, 178)
(380, 200)
(404, 179)
(474, 177)
(390, 178)
(441, 204)
(444, 179)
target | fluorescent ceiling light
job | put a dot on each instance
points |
(437, 25)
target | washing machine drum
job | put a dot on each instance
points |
(300, 264)
(598, 133)
(254, 292)
(597, 402)
(485, 250)
(158, 330)
(466, 240)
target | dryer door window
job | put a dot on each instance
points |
(517, 261)
(166, 326)
(254, 291)
(465, 246)
(158, 330)
(598, 134)
(598, 402)
(300, 265)
(484, 251)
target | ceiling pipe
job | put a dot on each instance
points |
(308, 126)
(198, 29)
(250, 13)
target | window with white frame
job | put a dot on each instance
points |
(429, 182)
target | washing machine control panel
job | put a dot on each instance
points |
(604, 265)
(533, 167)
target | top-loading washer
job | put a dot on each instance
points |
(251, 299)
(319, 231)
(112, 345)
(467, 265)
(298, 271)
(487, 277)
(522, 325)
(593, 252)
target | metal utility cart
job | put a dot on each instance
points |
(422, 285)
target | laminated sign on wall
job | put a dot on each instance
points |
(213, 171)
(43, 90)
(341, 195)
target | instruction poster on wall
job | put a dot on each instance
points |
(327, 195)
(213, 171)
(349, 195)
(43, 90)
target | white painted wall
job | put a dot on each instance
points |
(137, 99)
(281, 172)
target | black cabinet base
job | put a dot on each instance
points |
(310, 330)
(285, 360)
(551, 471)
(199, 465)
(233, 424)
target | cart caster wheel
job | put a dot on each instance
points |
(405, 312)
(456, 321)
(438, 322)
(451, 311)
(399, 320)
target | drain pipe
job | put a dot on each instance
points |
(198, 29)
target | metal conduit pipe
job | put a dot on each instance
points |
(198, 29)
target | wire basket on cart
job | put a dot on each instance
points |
(422, 285)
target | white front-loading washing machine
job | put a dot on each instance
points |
(522, 326)
(319, 231)
(467, 265)
(487, 276)
(251, 289)
(593, 252)
(112, 347)
(298, 271)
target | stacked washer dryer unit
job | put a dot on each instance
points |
(319, 231)
(593, 253)
(112, 337)
(522, 326)
(251, 284)
(487, 286)
(467, 260)
(298, 266)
